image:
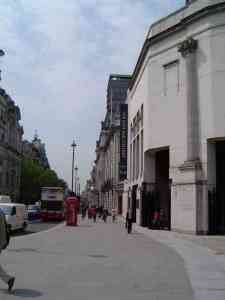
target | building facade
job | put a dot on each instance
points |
(111, 151)
(11, 133)
(176, 124)
(35, 151)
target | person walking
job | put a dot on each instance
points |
(4, 241)
(129, 221)
(105, 215)
(89, 213)
(113, 215)
(94, 214)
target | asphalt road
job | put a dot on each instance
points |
(36, 226)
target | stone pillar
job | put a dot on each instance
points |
(188, 51)
(189, 183)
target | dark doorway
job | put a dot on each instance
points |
(149, 203)
(120, 205)
(134, 202)
(163, 200)
(218, 208)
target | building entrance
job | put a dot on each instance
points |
(120, 205)
(134, 202)
(163, 193)
(156, 193)
(217, 193)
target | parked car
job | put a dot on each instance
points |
(5, 199)
(34, 212)
(16, 215)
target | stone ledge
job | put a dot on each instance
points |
(190, 165)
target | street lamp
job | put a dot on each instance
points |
(78, 186)
(2, 53)
(76, 173)
(73, 145)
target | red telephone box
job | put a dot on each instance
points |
(72, 207)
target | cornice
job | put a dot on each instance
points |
(181, 25)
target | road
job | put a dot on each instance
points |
(94, 261)
(36, 226)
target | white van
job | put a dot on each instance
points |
(5, 199)
(16, 215)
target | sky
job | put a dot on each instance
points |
(58, 57)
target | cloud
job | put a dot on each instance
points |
(59, 55)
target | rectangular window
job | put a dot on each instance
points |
(142, 150)
(131, 162)
(137, 157)
(171, 77)
(134, 160)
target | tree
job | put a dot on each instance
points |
(33, 178)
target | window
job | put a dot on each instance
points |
(142, 150)
(171, 77)
(137, 157)
(131, 162)
(134, 162)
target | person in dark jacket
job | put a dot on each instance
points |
(105, 215)
(4, 241)
(94, 214)
(129, 220)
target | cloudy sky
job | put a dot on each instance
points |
(59, 54)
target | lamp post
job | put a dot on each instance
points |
(73, 146)
(76, 173)
(2, 53)
(78, 186)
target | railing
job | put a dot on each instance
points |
(156, 201)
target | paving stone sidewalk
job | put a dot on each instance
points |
(94, 261)
(203, 256)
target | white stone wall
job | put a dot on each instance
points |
(165, 113)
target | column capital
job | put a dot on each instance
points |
(188, 46)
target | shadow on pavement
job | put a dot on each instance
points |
(23, 293)
(19, 233)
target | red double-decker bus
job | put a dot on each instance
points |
(52, 204)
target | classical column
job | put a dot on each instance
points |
(188, 51)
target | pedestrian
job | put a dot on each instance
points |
(126, 221)
(129, 221)
(156, 220)
(83, 212)
(4, 241)
(89, 213)
(113, 215)
(94, 214)
(105, 215)
(100, 212)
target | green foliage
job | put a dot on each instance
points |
(33, 177)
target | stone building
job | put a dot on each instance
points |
(176, 122)
(111, 166)
(35, 151)
(11, 133)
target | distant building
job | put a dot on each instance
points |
(35, 150)
(11, 133)
(90, 194)
(111, 148)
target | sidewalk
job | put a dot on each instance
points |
(97, 261)
(204, 258)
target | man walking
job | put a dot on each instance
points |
(4, 241)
